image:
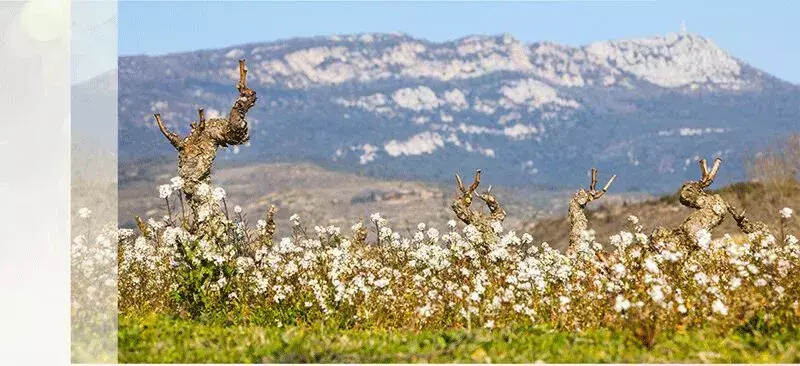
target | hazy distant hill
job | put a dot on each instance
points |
(391, 106)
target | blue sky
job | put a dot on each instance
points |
(764, 34)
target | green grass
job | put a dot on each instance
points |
(159, 339)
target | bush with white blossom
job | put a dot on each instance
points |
(453, 276)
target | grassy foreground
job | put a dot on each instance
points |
(159, 339)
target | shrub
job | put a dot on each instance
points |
(457, 277)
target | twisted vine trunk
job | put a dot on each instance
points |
(710, 210)
(578, 223)
(197, 151)
(461, 206)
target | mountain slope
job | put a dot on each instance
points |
(392, 106)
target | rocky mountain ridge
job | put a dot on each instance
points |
(392, 106)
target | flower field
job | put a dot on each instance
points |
(454, 278)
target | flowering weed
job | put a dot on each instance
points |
(454, 276)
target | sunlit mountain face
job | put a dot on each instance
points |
(541, 114)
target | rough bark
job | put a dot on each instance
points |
(264, 235)
(461, 205)
(144, 228)
(710, 209)
(270, 229)
(197, 151)
(578, 223)
(747, 226)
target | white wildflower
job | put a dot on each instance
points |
(381, 283)
(786, 212)
(203, 189)
(425, 311)
(156, 225)
(719, 307)
(164, 190)
(472, 233)
(433, 234)
(651, 265)
(701, 278)
(526, 238)
(619, 268)
(203, 213)
(657, 294)
(124, 233)
(177, 183)
(621, 304)
(703, 238)
(497, 226)
(333, 230)
(218, 194)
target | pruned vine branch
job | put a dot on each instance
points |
(578, 223)
(172, 137)
(270, 228)
(746, 225)
(462, 204)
